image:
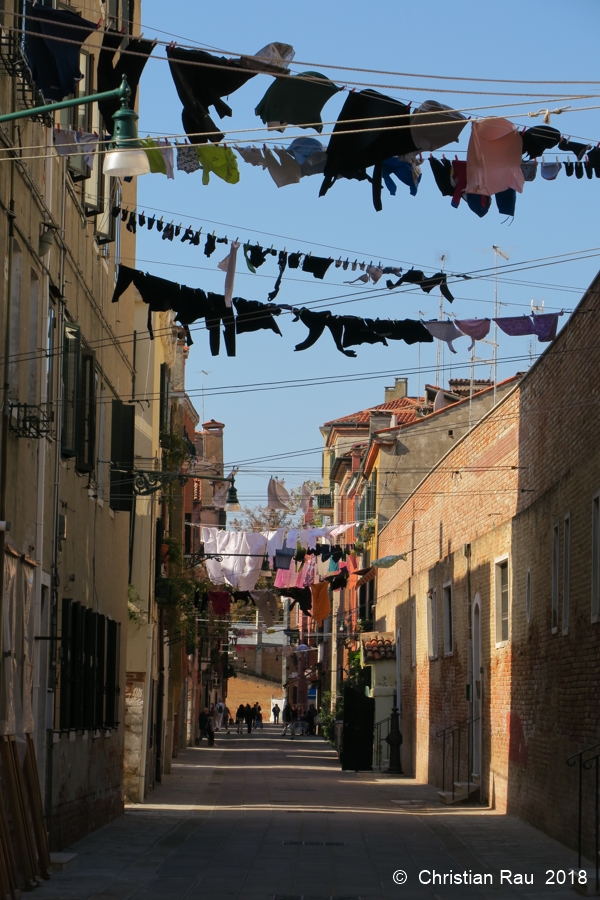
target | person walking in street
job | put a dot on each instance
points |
(293, 721)
(276, 712)
(226, 715)
(210, 728)
(310, 718)
(239, 717)
(203, 724)
(219, 709)
(286, 717)
(248, 717)
(258, 722)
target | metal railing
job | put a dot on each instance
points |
(381, 729)
(454, 733)
(588, 763)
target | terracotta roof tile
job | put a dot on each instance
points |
(404, 407)
(379, 648)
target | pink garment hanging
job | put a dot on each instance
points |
(476, 329)
(494, 157)
(282, 579)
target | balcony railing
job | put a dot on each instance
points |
(325, 501)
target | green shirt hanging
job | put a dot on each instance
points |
(292, 100)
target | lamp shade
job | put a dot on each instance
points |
(124, 163)
(233, 504)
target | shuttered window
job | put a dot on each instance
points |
(121, 456)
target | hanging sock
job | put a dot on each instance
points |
(169, 232)
(282, 262)
(228, 265)
(142, 219)
(132, 224)
(124, 215)
(151, 222)
(444, 331)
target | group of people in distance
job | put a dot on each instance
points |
(218, 717)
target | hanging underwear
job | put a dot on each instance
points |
(442, 172)
(316, 265)
(255, 316)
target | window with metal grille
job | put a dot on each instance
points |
(71, 359)
(502, 601)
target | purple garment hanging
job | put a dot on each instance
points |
(476, 329)
(545, 325)
(515, 326)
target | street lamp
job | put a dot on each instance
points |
(233, 504)
(126, 158)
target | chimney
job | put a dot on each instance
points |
(399, 390)
(378, 419)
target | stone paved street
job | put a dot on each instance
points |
(262, 816)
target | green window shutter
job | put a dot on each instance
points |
(121, 456)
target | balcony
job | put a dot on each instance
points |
(325, 502)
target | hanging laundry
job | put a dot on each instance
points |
(476, 329)
(356, 332)
(411, 331)
(132, 223)
(316, 265)
(301, 596)
(306, 498)
(284, 172)
(529, 170)
(88, 144)
(255, 256)
(538, 139)
(366, 575)
(310, 154)
(201, 80)
(437, 280)
(506, 202)
(434, 125)
(408, 173)
(349, 154)
(515, 326)
(494, 157)
(321, 604)
(228, 265)
(569, 168)
(155, 157)
(132, 60)
(444, 331)
(277, 496)
(255, 316)
(169, 232)
(575, 147)
(221, 602)
(210, 246)
(364, 279)
(459, 180)
(262, 601)
(478, 203)
(53, 39)
(219, 499)
(545, 325)
(142, 219)
(218, 159)
(317, 322)
(578, 169)
(338, 582)
(65, 142)
(167, 154)
(294, 260)
(283, 557)
(549, 170)
(386, 562)
(219, 314)
(252, 155)
(296, 100)
(282, 262)
(442, 172)
(275, 57)
(254, 544)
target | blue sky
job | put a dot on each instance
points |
(454, 40)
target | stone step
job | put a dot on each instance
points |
(462, 791)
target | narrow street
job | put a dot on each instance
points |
(264, 816)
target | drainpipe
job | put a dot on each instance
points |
(58, 417)
(146, 724)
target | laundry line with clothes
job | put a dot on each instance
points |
(239, 316)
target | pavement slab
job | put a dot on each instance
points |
(262, 817)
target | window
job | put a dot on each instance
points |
(89, 669)
(528, 595)
(120, 15)
(121, 456)
(432, 638)
(596, 558)
(105, 228)
(448, 634)
(86, 413)
(79, 401)
(165, 399)
(32, 341)
(80, 117)
(413, 633)
(502, 601)
(566, 573)
(50, 351)
(555, 552)
(14, 327)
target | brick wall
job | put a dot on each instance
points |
(533, 460)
